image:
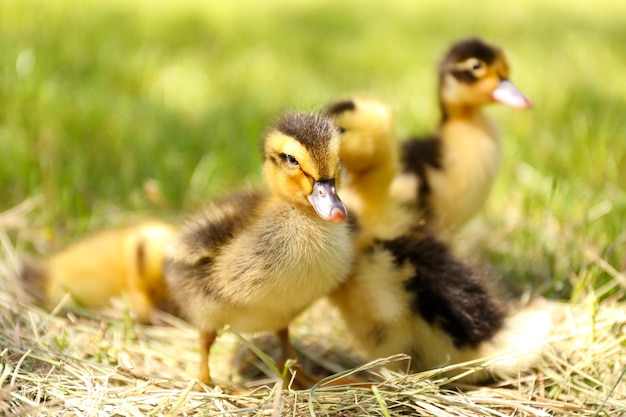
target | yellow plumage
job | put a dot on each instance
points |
(111, 263)
(448, 176)
(255, 260)
(408, 293)
(370, 157)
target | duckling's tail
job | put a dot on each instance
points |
(520, 344)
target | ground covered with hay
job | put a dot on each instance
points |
(86, 363)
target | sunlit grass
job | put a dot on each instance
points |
(99, 97)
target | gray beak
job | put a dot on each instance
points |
(508, 94)
(326, 202)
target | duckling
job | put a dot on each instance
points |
(370, 155)
(111, 263)
(408, 293)
(447, 176)
(412, 295)
(256, 259)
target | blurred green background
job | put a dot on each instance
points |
(98, 97)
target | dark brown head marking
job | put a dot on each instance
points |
(339, 107)
(463, 50)
(315, 132)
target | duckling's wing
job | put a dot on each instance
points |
(213, 227)
(418, 155)
(446, 292)
(190, 256)
(207, 232)
(421, 152)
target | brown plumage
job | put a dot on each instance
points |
(256, 259)
(446, 177)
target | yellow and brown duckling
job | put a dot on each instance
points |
(412, 295)
(111, 263)
(408, 293)
(447, 176)
(257, 259)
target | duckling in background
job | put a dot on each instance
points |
(112, 263)
(255, 260)
(447, 176)
(408, 293)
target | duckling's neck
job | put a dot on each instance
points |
(455, 111)
(469, 118)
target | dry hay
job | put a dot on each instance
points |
(85, 363)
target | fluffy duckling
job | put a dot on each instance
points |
(408, 293)
(370, 155)
(412, 295)
(255, 260)
(448, 176)
(125, 261)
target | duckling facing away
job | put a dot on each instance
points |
(448, 176)
(370, 155)
(408, 293)
(111, 263)
(255, 260)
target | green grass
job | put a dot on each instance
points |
(97, 97)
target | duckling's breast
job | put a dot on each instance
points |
(286, 257)
(471, 159)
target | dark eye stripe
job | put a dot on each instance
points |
(464, 76)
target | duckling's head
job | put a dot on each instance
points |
(301, 163)
(474, 73)
(368, 139)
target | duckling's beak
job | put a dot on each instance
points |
(508, 94)
(326, 202)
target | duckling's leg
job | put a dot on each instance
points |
(303, 379)
(287, 350)
(206, 341)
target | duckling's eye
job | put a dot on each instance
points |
(341, 130)
(477, 67)
(290, 159)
